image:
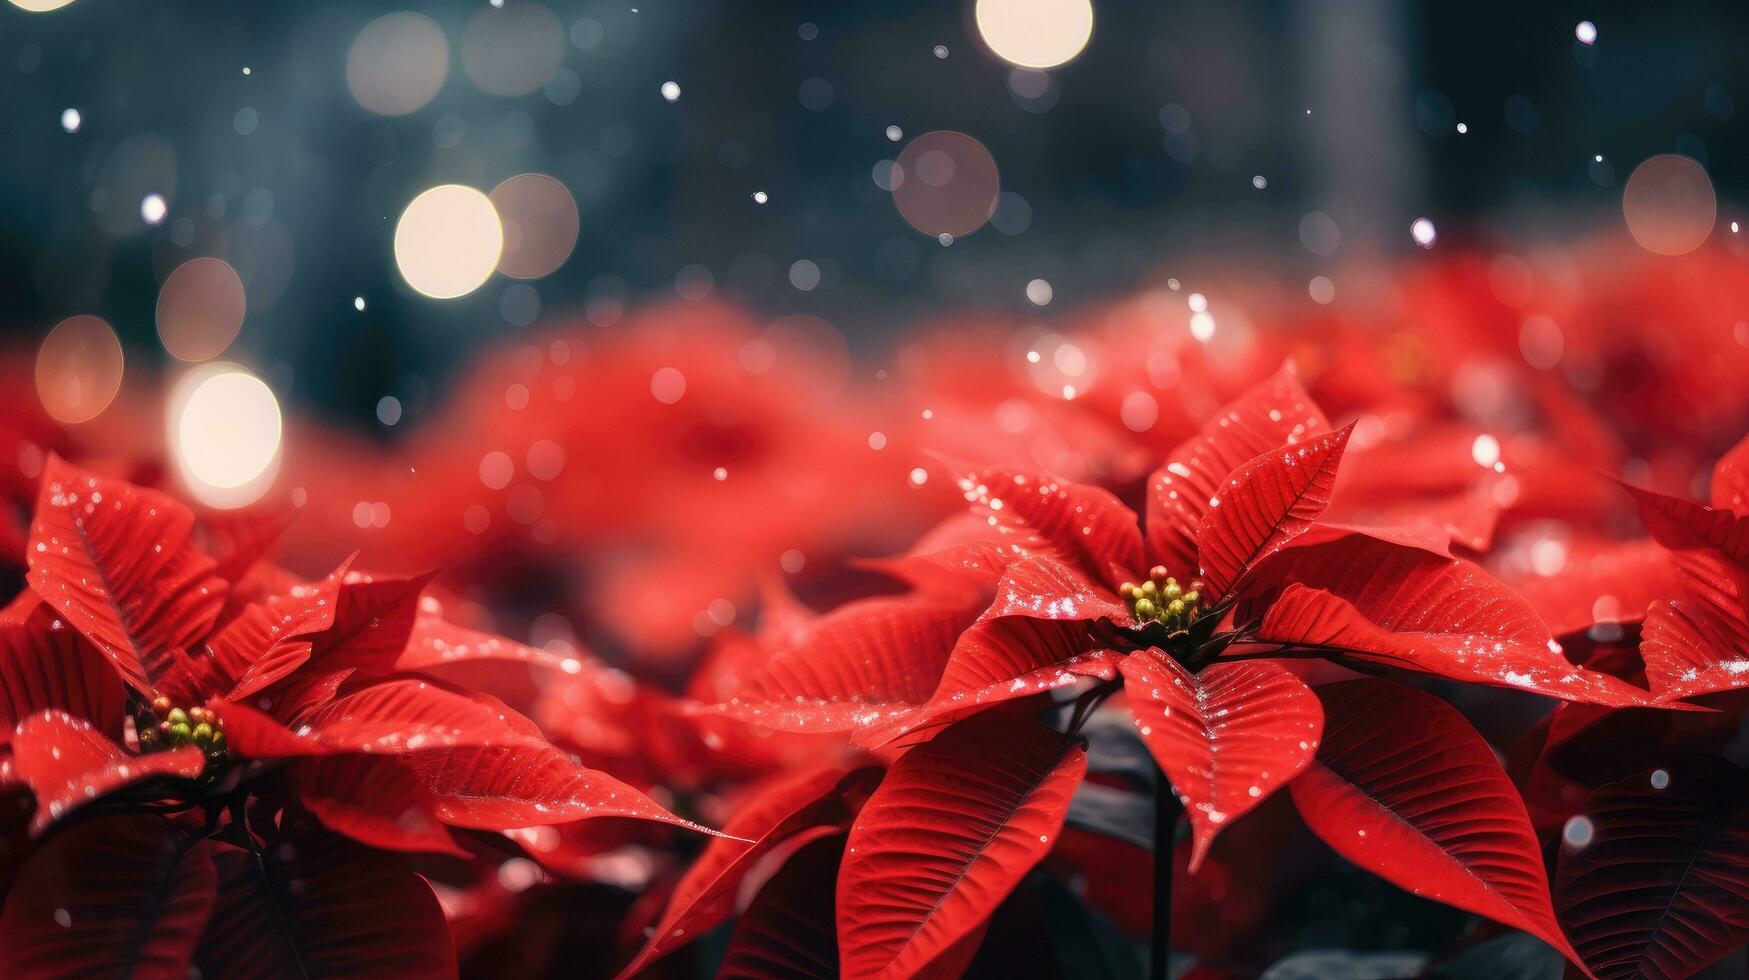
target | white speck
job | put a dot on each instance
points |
(1039, 292)
(1733, 227)
(671, 91)
(1660, 779)
(1578, 831)
(895, 134)
(1462, 128)
(358, 303)
(246, 70)
(1586, 32)
(153, 208)
(1198, 302)
(63, 918)
(941, 50)
(388, 410)
(1485, 450)
(759, 197)
(720, 473)
(70, 120)
(1423, 232)
(919, 476)
(1260, 182)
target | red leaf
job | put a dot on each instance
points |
(1080, 524)
(269, 640)
(1691, 650)
(1275, 413)
(1731, 479)
(772, 814)
(116, 560)
(68, 763)
(44, 664)
(411, 713)
(865, 662)
(435, 642)
(1044, 588)
(372, 623)
(1265, 504)
(1405, 788)
(1680, 524)
(374, 800)
(237, 539)
(1227, 737)
(1374, 601)
(1662, 889)
(789, 929)
(112, 896)
(316, 904)
(529, 785)
(950, 832)
(1632, 573)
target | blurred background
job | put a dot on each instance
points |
(868, 164)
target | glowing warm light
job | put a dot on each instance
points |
(1586, 32)
(1035, 33)
(1669, 204)
(40, 6)
(78, 369)
(200, 309)
(225, 432)
(70, 120)
(512, 49)
(1423, 232)
(540, 223)
(671, 91)
(945, 184)
(397, 63)
(153, 208)
(448, 241)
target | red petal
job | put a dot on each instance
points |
(1264, 505)
(46, 664)
(372, 624)
(863, 663)
(1660, 890)
(1731, 479)
(1690, 651)
(113, 896)
(1405, 788)
(530, 785)
(68, 763)
(237, 539)
(374, 800)
(772, 814)
(319, 905)
(1081, 524)
(1375, 601)
(412, 713)
(116, 560)
(1041, 587)
(950, 832)
(269, 640)
(1227, 737)
(435, 642)
(1276, 413)
(1679, 524)
(1632, 573)
(789, 930)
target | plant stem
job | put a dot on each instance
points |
(1167, 810)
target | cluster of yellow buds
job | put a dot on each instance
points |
(1162, 600)
(177, 727)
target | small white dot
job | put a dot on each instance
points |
(941, 50)
(1039, 292)
(1462, 128)
(1733, 227)
(671, 91)
(919, 476)
(759, 197)
(246, 70)
(1598, 158)
(1423, 232)
(358, 303)
(388, 410)
(153, 208)
(70, 120)
(1586, 32)
(721, 474)
(1660, 779)
(1260, 182)
(895, 134)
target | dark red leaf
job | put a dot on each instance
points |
(1275, 413)
(1406, 789)
(529, 785)
(1371, 600)
(117, 561)
(1731, 479)
(950, 832)
(237, 539)
(1265, 504)
(68, 763)
(1083, 525)
(1681, 524)
(789, 930)
(317, 905)
(1662, 889)
(115, 896)
(409, 713)
(46, 664)
(1227, 736)
(375, 800)
(372, 624)
(772, 814)
(269, 640)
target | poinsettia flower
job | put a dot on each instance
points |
(136, 679)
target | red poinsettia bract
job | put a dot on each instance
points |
(224, 767)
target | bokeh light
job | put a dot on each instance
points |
(397, 64)
(200, 309)
(539, 218)
(224, 431)
(513, 49)
(1669, 204)
(448, 241)
(945, 183)
(40, 6)
(1035, 33)
(78, 369)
